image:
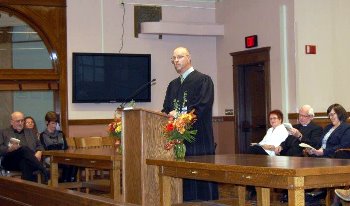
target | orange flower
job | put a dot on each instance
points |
(169, 127)
(179, 129)
(115, 128)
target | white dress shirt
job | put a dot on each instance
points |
(274, 136)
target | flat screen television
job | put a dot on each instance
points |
(109, 77)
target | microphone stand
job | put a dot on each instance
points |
(134, 94)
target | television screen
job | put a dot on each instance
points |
(106, 77)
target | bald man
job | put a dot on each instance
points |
(193, 90)
(20, 149)
(304, 132)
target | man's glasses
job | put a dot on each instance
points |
(176, 58)
(304, 116)
(19, 120)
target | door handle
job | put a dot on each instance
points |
(260, 126)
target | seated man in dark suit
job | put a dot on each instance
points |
(20, 149)
(304, 132)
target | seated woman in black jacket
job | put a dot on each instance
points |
(53, 139)
(336, 135)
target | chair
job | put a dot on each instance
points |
(86, 143)
(344, 195)
(108, 142)
(70, 143)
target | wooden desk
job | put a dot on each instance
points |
(99, 158)
(264, 172)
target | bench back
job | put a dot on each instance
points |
(20, 192)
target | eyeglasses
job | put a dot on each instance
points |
(273, 118)
(29, 122)
(304, 116)
(19, 120)
(331, 114)
(176, 57)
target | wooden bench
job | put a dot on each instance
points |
(15, 192)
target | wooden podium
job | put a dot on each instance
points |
(142, 139)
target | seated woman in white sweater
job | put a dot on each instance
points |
(274, 136)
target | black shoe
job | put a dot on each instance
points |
(314, 197)
(252, 195)
(284, 197)
(45, 175)
(311, 198)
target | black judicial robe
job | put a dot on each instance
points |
(312, 134)
(199, 91)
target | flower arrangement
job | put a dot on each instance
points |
(115, 130)
(177, 130)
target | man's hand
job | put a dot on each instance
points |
(317, 152)
(295, 132)
(268, 147)
(13, 147)
(278, 150)
(38, 155)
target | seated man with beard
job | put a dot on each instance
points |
(20, 149)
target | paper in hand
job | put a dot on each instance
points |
(14, 141)
(306, 146)
(288, 126)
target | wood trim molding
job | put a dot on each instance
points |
(317, 115)
(223, 118)
(76, 122)
(27, 75)
(28, 86)
(56, 3)
(248, 56)
(89, 121)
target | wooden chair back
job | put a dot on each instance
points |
(70, 142)
(88, 142)
(108, 142)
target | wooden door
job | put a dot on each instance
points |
(252, 103)
(251, 82)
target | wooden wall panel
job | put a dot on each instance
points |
(224, 134)
(6, 108)
(223, 128)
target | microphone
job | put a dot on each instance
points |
(135, 93)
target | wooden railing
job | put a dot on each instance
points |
(15, 192)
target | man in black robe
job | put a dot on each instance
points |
(193, 90)
(305, 132)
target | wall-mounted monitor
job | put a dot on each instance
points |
(109, 77)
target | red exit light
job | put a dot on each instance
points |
(251, 41)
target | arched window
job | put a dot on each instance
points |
(21, 47)
(33, 59)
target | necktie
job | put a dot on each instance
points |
(182, 79)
